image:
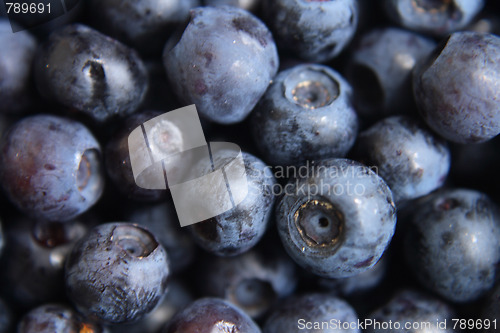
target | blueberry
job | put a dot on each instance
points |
(309, 312)
(16, 57)
(6, 319)
(456, 88)
(305, 114)
(380, 70)
(34, 259)
(336, 218)
(177, 297)
(117, 273)
(162, 221)
(223, 62)
(315, 30)
(436, 17)
(411, 160)
(453, 243)
(359, 284)
(83, 69)
(55, 318)
(50, 167)
(117, 156)
(211, 315)
(143, 24)
(239, 229)
(411, 310)
(253, 281)
(251, 5)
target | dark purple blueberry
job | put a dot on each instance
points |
(411, 160)
(359, 284)
(176, 299)
(315, 30)
(336, 218)
(253, 281)
(223, 63)
(306, 114)
(117, 273)
(33, 264)
(211, 315)
(55, 318)
(117, 155)
(412, 312)
(143, 24)
(161, 219)
(456, 88)
(306, 313)
(83, 69)
(453, 243)
(16, 57)
(240, 228)
(380, 70)
(50, 167)
(436, 17)
(250, 5)
(6, 320)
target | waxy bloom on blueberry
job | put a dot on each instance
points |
(117, 273)
(456, 89)
(50, 167)
(337, 220)
(223, 62)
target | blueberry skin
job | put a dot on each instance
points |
(306, 114)
(161, 219)
(117, 273)
(453, 243)
(223, 63)
(380, 70)
(211, 315)
(6, 319)
(83, 69)
(297, 312)
(142, 24)
(55, 318)
(50, 167)
(250, 5)
(359, 284)
(117, 160)
(16, 57)
(316, 31)
(337, 219)
(33, 264)
(411, 159)
(433, 17)
(239, 229)
(456, 88)
(177, 298)
(409, 307)
(253, 281)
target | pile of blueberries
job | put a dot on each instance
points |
(368, 133)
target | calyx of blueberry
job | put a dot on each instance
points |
(320, 223)
(311, 88)
(137, 242)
